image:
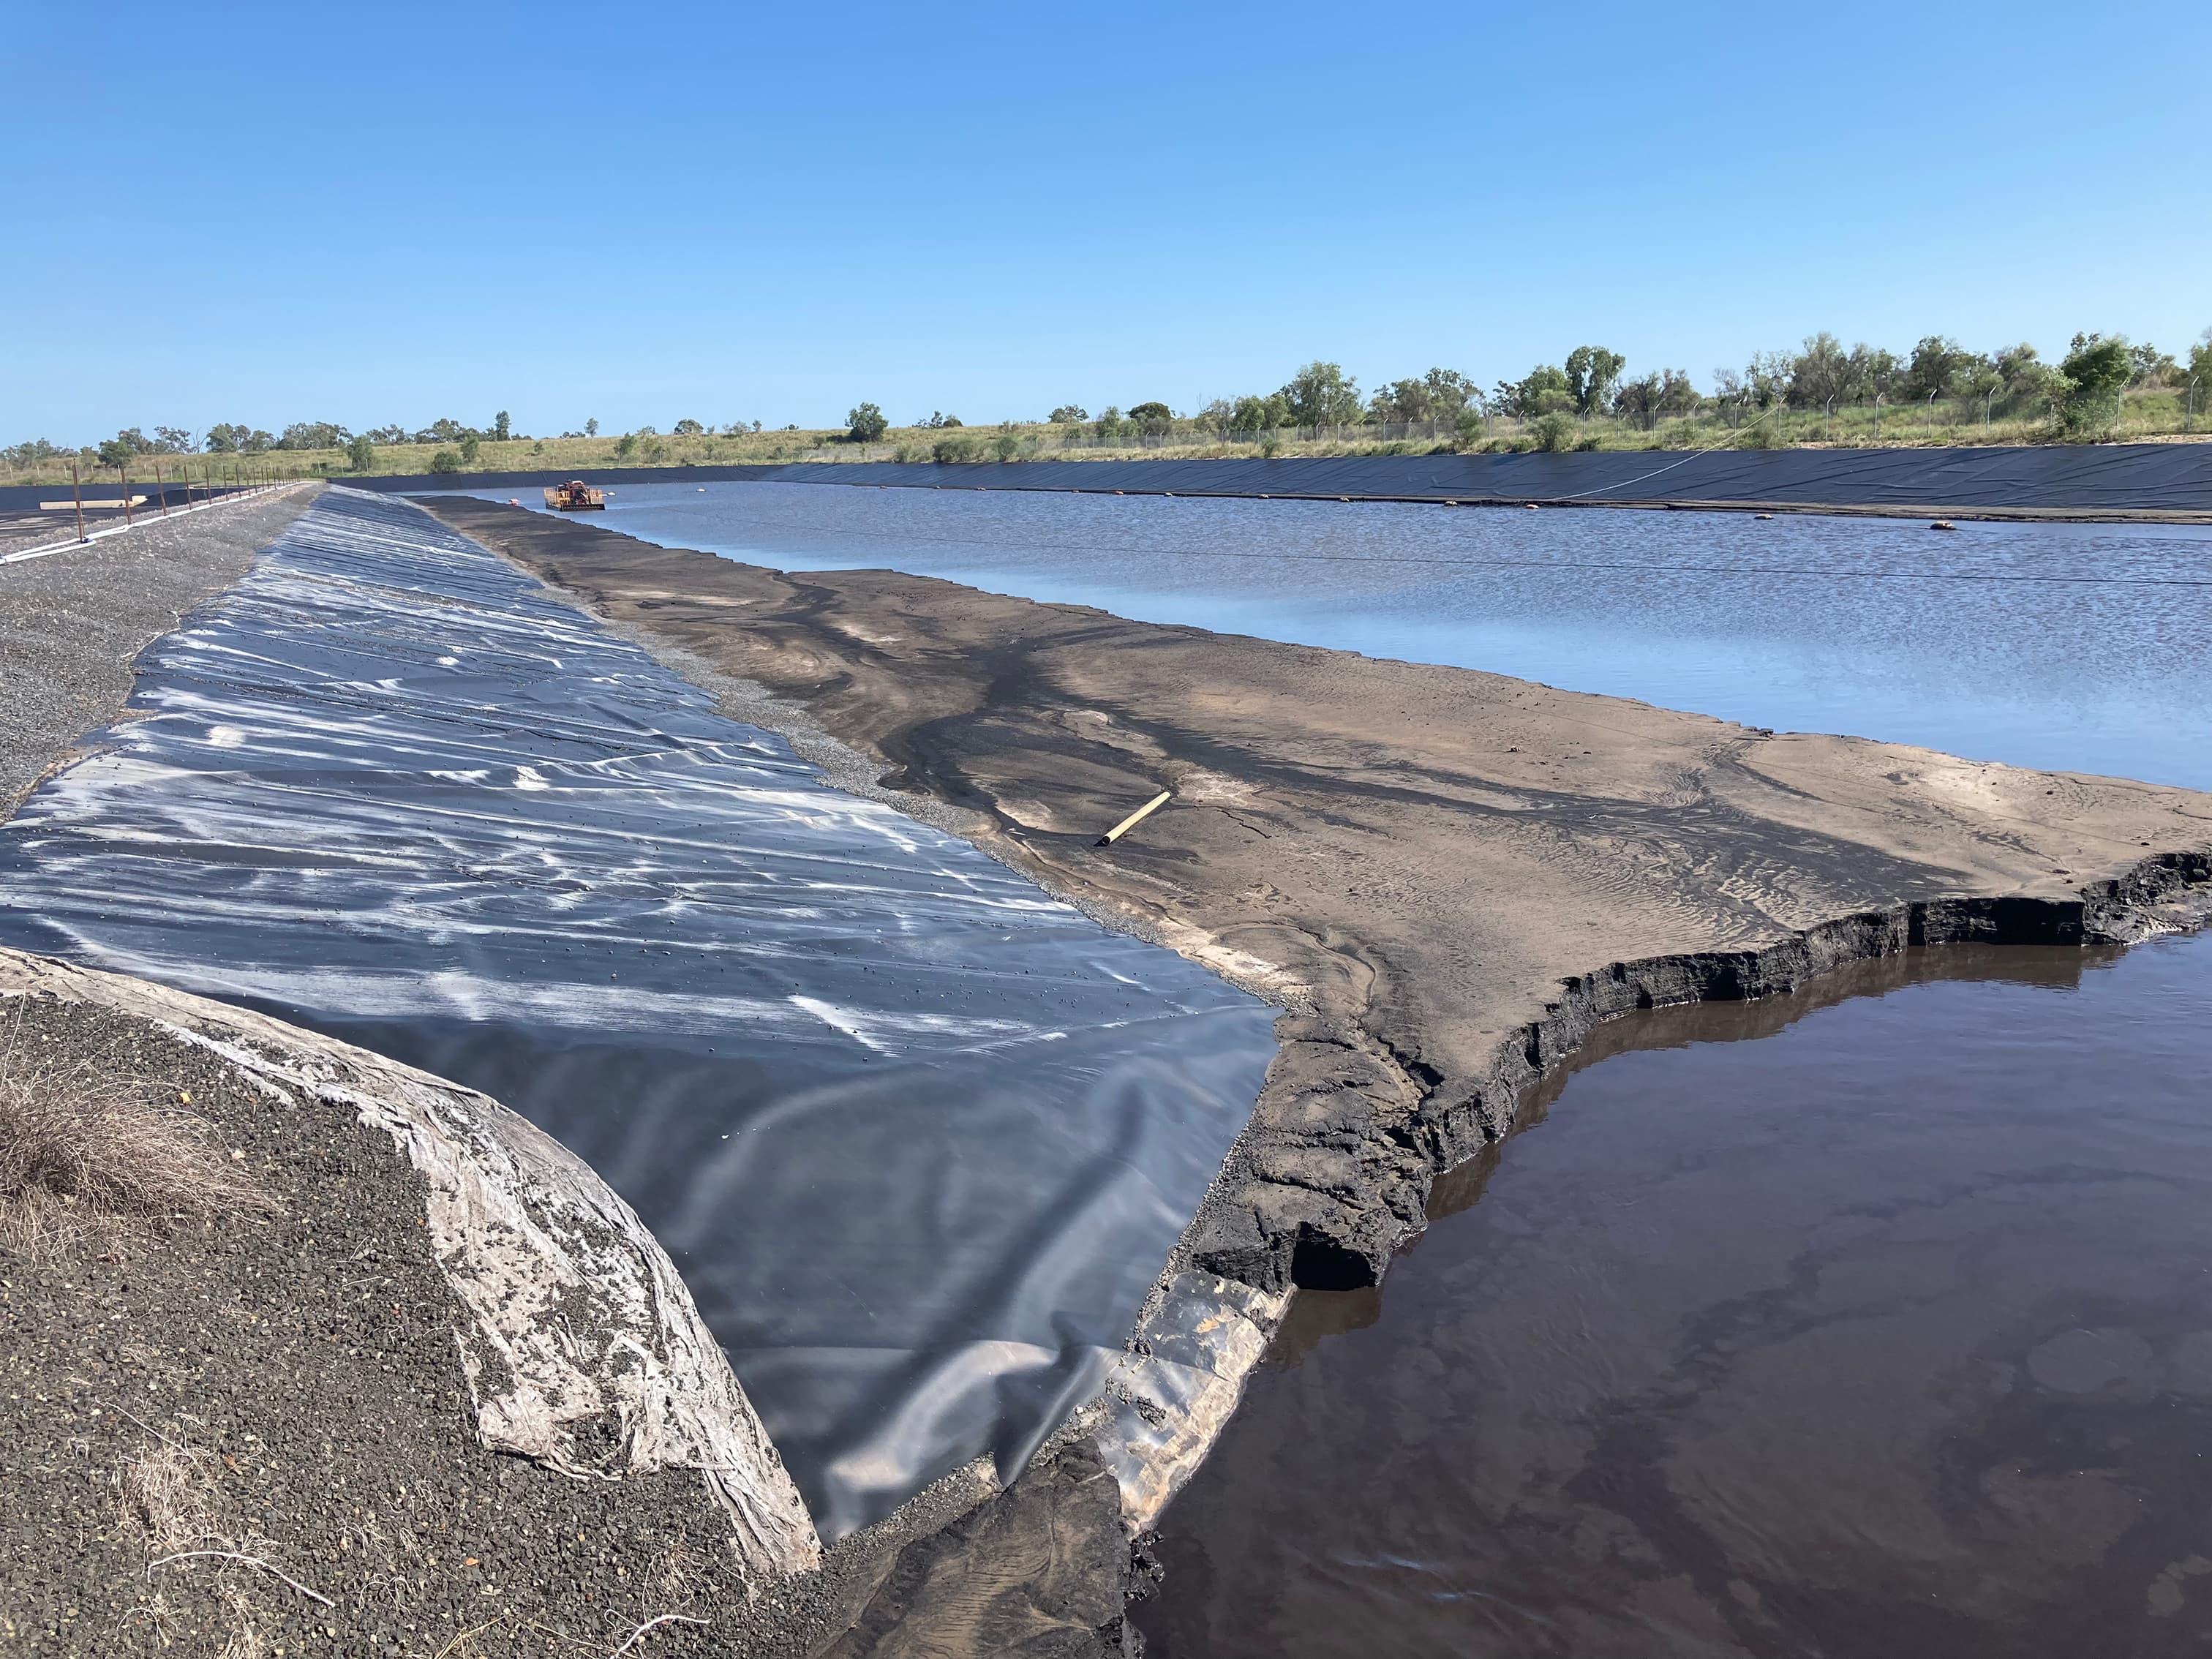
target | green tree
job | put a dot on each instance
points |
(1650, 398)
(1069, 414)
(1108, 426)
(592, 427)
(1592, 373)
(1260, 414)
(864, 424)
(313, 434)
(1402, 402)
(361, 454)
(1449, 392)
(1543, 391)
(2199, 369)
(1939, 368)
(2096, 371)
(469, 446)
(2154, 367)
(445, 461)
(501, 430)
(689, 429)
(626, 446)
(1154, 420)
(1823, 373)
(1322, 394)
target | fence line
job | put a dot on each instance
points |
(229, 494)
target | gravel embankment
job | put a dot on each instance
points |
(71, 624)
(288, 1388)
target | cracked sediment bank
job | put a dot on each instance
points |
(1444, 876)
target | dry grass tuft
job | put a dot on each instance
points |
(83, 1150)
(164, 1495)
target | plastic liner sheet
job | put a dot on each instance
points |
(2103, 477)
(919, 1137)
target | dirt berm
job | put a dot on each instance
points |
(1444, 876)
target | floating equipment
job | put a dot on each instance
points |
(575, 496)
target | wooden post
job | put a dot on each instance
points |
(1135, 818)
(161, 490)
(122, 472)
(76, 494)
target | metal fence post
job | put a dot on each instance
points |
(122, 472)
(76, 494)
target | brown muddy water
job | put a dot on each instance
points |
(1889, 1333)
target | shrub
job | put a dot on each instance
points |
(865, 424)
(2097, 372)
(1008, 444)
(445, 461)
(469, 445)
(948, 450)
(361, 454)
(1555, 431)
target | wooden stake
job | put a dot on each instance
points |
(76, 494)
(1135, 818)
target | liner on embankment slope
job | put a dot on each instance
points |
(919, 1136)
(2149, 481)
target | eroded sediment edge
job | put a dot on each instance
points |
(1218, 1306)
(584, 1350)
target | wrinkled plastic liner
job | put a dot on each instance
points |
(919, 1137)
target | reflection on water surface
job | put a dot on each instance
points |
(1891, 1334)
(2081, 648)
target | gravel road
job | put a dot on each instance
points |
(71, 624)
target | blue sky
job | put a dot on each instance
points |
(392, 213)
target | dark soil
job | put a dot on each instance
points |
(300, 1375)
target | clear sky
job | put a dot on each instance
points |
(368, 214)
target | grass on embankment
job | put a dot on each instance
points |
(2147, 416)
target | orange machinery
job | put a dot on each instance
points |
(575, 496)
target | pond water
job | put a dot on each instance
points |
(1887, 1334)
(2082, 647)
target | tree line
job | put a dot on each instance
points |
(2080, 394)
